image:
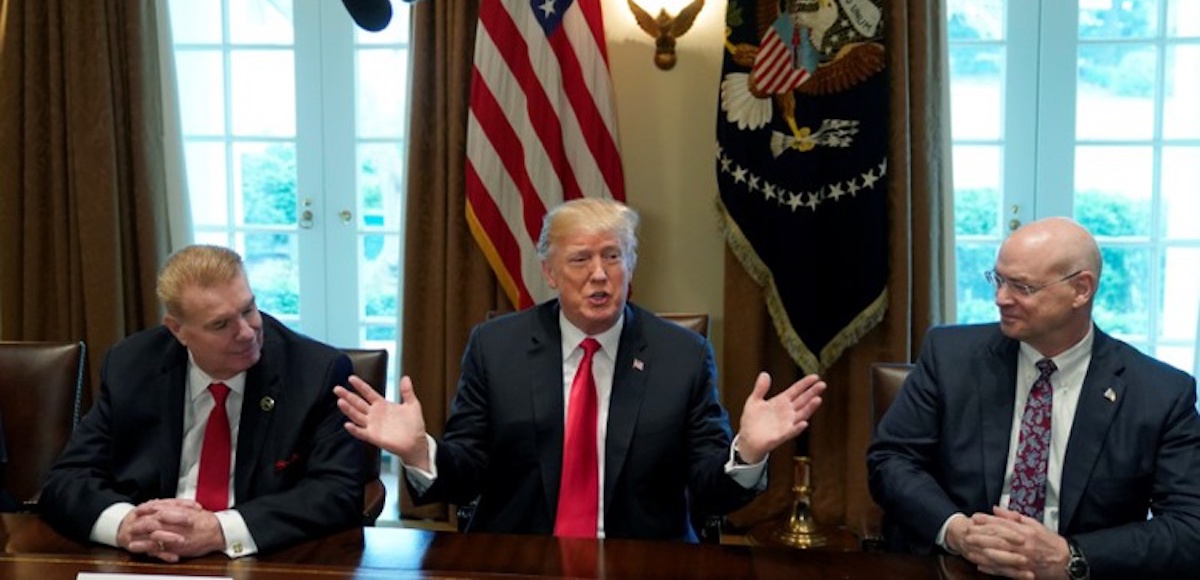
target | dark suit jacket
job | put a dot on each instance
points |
(299, 474)
(943, 446)
(668, 437)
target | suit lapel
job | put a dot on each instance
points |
(546, 397)
(1093, 416)
(264, 379)
(996, 373)
(625, 400)
(172, 393)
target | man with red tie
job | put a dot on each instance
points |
(586, 416)
(215, 432)
(1037, 447)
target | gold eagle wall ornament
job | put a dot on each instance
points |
(665, 29)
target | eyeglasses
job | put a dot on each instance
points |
(997, 281)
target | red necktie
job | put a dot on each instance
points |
(212, 487)
(579, 492)
(1028, 494)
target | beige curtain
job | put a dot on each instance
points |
(918, 181)
(81, 170)
(448, 286)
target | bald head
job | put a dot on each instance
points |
(1049, 271)
(1060, 243)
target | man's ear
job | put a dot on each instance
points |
(175, 326)
(548, 275)
(1085, 287)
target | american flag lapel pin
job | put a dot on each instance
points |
(1111, 395)
(638, 364)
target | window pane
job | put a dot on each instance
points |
(1181, 191)
(379, 276)
(381, 185)
(1179, 357)
(1182, 93)
(1110, 19)
(975, 19)
(1121, 301)
(1115, 94)
(260, 21)
(1181, 287)
(976, 92)
(267, 173)
(207, 188)
(976, 298)
(1112, 190)
(201, 92)
(272, 265)
(195, 21)
(1183, 18)
(264, 93)
(382, 97)
(977, 190)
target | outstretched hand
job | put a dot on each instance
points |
(397, 427)
(766, 423)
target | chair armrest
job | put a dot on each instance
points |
(374, 495)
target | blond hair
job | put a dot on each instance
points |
(589, 215)
(200, 266)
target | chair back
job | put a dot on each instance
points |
(41, 389)
(886, 381)
(694, 321)
(371, 365)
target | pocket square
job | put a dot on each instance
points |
(283, 464)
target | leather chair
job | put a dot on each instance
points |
(371, 365)
(886, 381)
(41, 392)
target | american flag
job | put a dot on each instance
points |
(541, 129)
(778, 66)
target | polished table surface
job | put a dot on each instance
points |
(32, 550)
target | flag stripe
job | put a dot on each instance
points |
(541, 129)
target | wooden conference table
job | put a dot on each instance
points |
(32, 550)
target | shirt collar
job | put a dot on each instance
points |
(1068, 360)
(198, 380)
(572, 336)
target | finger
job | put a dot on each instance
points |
(810, 392)
(365, 390)
(349, 408)
(408, 395)
(762, 384)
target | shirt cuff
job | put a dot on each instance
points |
(941, 535)
(105, 530)
(747, 475)
(420, 479)
(238, 541)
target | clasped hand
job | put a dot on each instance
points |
(1009, 544)
(170, 529)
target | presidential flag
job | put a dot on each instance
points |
(541, 129)
(801, 161)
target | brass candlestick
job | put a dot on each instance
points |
(800, 531)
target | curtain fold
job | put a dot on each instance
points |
(448, 285)
(81, 170)
(920, 221)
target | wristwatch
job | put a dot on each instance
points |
(1077, 565)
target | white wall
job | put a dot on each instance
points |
(667, 128)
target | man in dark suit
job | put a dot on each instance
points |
(956, 462)
(661, 442)
(159, 467)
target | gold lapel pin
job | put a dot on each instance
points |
(1111, 395)
(266, 404)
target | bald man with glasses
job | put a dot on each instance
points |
(1039, 446)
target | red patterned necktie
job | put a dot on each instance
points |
(212, 486)
(579, 492)
(1028, 494)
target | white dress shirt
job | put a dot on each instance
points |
(199, 404)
